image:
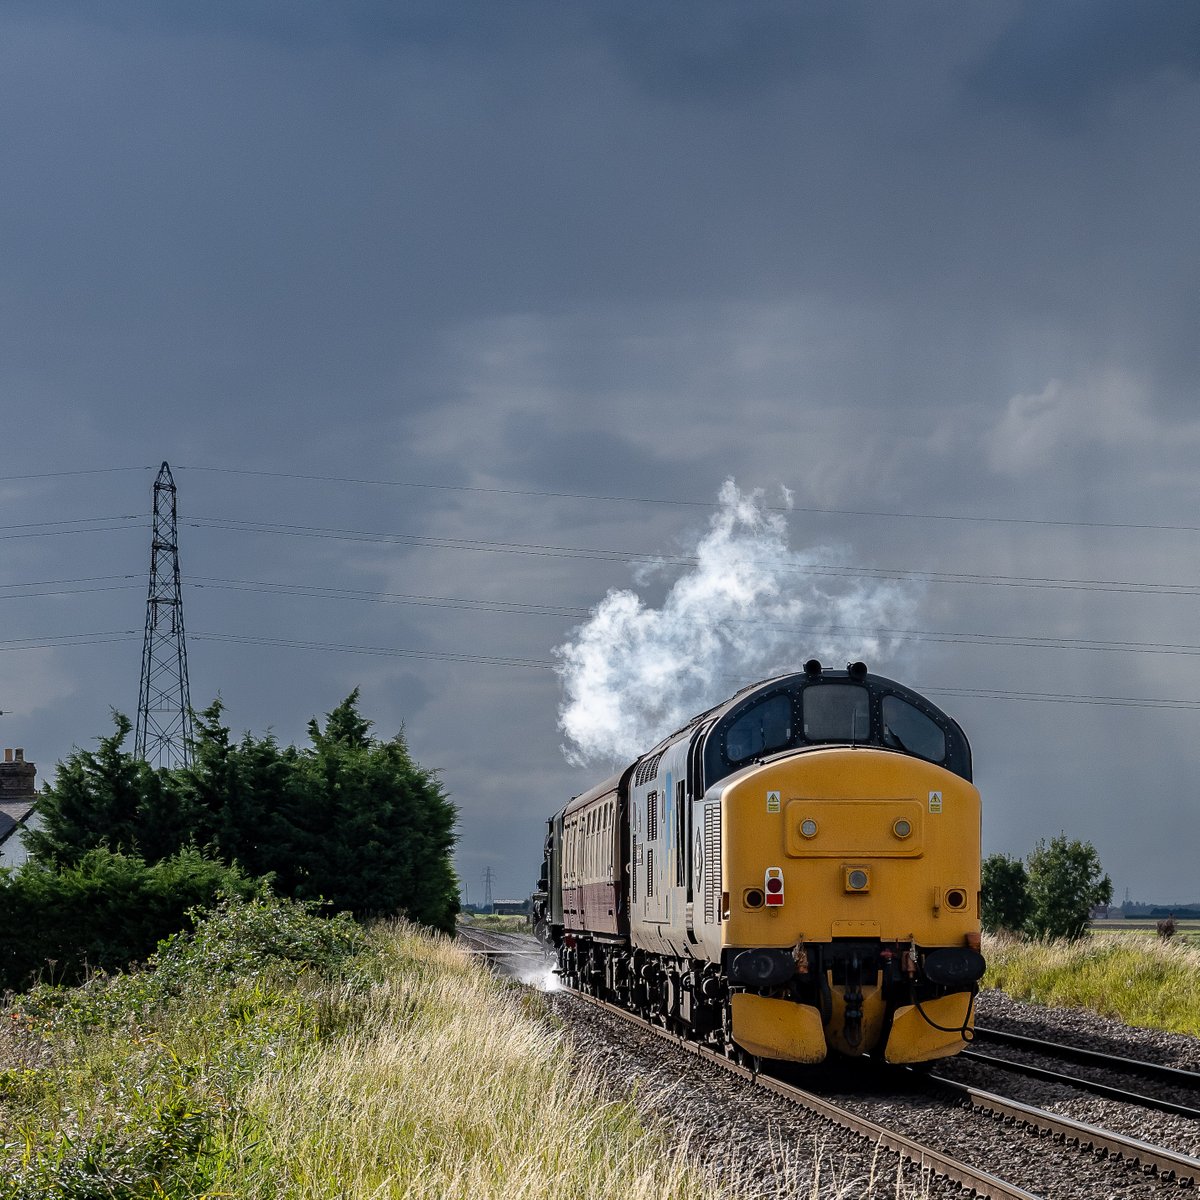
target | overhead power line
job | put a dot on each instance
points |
(1030, 641)
(75, 525)
(63, 474)
(518, 608)
(74, 579)
(677, 502)
(837, 570)
(543, 664)
(78, 591)
(1063, 698)
(495, 660)
(500, 660)
(607, 498)
(52, 641)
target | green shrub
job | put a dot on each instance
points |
(127, 1086)
(102, 913)
(352, 819)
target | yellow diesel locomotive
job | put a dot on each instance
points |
(794, 872)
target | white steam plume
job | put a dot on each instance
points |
(746, 607)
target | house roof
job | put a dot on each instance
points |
(12, 813)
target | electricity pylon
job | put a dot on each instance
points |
(164, 723)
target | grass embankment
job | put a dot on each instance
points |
(1139, 980)
(277, 1054)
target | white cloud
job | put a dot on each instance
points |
(1108, 409)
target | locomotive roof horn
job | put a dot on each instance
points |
(813, 667)
(857, 670)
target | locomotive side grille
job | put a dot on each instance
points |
(712, 861)
(633, 873)
(647, 769)
(652, 817)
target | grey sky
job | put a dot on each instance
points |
(922, 259)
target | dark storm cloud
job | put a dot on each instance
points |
(1069, 60)
(921, 258)
(714, 53)
(579, 458)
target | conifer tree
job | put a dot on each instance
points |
(350, 819)
(109, 798)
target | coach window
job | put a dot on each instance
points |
(766, 726)
(837, 712)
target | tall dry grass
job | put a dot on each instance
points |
(278, 1055)
(453, 1084)
(1140, 980)
(448, 1086)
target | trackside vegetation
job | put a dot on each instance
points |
(1049, 896)
(102, 912)
(1147, 981)
(276, 1053)
(125, 850)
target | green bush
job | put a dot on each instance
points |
(103, 912)
(127, 1086)
(1005, 896)
(1066, 881)
(1049, 898)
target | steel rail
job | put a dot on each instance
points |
(1173, 1075)
(484, 946)
(1166, 1164)
(487, 938)
(1087, 1085)
(980, 1182)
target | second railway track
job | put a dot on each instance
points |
(1118, 1077)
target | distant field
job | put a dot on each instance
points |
(1185, 931)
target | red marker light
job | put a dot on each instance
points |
(773, 887)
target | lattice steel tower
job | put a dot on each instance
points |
(164, 722)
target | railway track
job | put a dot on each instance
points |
(1167, 1165)
(981, 1183)
(1147, 1163)
(1179, 1081)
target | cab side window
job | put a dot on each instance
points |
(907, 728)
(765, 727)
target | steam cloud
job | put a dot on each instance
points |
(747, 607)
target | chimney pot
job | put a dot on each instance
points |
(8, 756)
(20, 755)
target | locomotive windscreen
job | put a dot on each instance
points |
(831, 709)
(838, 712)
